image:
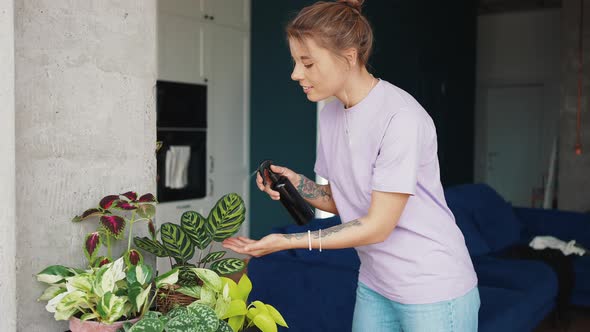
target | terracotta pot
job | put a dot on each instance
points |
(77, 325)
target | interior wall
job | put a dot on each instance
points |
(85, 128)
(574, 170)
(517, 51)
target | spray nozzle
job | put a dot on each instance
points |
(265, 165)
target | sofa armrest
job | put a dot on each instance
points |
(563, 225)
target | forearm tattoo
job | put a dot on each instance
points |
(311, 190)
(325, 232)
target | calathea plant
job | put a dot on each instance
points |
(114, 213)
(178, 241)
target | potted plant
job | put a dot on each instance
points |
(179, 242)
(225, 310)
(107, 291)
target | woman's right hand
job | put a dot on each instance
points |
(282, 171)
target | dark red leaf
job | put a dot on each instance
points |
(152, 229)
(92, 242)
(114, 224)
(134, 256)
(87, 214)
(147, 198)
(107, 201)
(131, 195)
(104, 261)
(125, 205)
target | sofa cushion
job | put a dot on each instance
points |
(581, 293)
(526, 276)
(495, 218)
(476, 244)
(509, 310)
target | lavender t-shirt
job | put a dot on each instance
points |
(387, 143)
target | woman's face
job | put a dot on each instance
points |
(320, 73)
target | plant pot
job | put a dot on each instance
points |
(167, 298)
(76, 325)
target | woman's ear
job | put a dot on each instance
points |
(351, 56)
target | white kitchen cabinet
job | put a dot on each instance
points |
(195, 48)
(183, 49)
(232, 13)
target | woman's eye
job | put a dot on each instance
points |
(308, 66)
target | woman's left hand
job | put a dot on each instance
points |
(267, 245)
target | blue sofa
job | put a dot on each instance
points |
(316, 291)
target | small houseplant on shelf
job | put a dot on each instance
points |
(107, 291)
(178, 243)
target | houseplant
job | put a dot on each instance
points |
(107, 290)
(179, 242)
(225, 311)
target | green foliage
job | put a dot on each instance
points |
(103, 294)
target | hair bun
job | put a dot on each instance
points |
(355, 4)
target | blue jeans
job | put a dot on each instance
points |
(375, 313)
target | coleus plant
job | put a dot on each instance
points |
(178, 241)
(114, 213)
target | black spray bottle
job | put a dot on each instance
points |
(290, 197)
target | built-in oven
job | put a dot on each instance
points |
(182, 130)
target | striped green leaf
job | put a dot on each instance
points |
(228, 266)
(226, 217)
(177, 242)
(194, 225)
(150, 246)
(213, 256)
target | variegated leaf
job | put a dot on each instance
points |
(177, 242)
(115, 225)
(194, 225)
(151, 246)
(213, 256)
(91, 245)
(226, 217)
(228, 266)
(107, 201)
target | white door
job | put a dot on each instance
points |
(514, 162)
(229, 119)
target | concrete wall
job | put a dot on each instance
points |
(85, 127)
(574, 170)
(7, 193)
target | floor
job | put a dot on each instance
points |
(579, 322)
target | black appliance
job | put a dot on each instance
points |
(182, 128)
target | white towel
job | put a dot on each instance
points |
(177, 161)
(568, 248)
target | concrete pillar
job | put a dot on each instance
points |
(85, 127)
(574, 170)
(7, 188)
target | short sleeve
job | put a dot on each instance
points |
(320, 167)
(397, 163)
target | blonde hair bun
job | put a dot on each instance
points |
(356, 4)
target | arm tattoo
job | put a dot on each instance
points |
(311, 190)
(325, 232)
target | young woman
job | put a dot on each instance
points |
(378, 150)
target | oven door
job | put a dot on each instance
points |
(181, 163)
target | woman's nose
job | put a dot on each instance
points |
(296, 74)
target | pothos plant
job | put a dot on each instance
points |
(178, 241)
(115, 213)
(224, 310)
(104, 294)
